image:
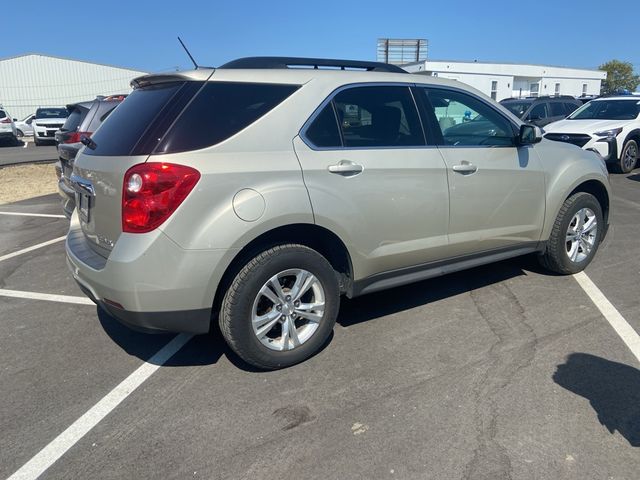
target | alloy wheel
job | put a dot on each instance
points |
(288, 309)
(581, 235)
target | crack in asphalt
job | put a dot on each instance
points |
(514, 350)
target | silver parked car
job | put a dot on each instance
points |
(256, 194)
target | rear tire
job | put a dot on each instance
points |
(575, 235)
(628, 157)
(281, 307)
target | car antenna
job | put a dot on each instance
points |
(188, 53)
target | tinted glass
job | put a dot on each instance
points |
(73, 120)
(538, 112)
(323, 131)
(124, 129)
(607, 110)
(378, 117)
(103, 111)
(220, 110)
(2, 114)
(570, 107)
(557, 109)
(467, 121)
(43, 113)
(517, 108)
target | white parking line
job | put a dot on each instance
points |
(30, 249)
(45, 296)
(67, 439)
(20, 214)
(625, 331)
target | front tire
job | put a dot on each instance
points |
(281, 307)
(19, 133)
(36, 142)
(575, 235)
(628, 158)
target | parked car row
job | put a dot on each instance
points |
(84, 118)
(8, 130)
(610, 126)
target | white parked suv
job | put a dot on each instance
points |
(609, 125)
(8, 132)
(46, 122)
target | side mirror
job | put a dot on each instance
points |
(529, 134)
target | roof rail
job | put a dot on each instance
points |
(288, 62)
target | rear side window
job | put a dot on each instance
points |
(219, 111)
(2, 114)
(323, 131)
(378, 117)
(103, 111)
(557, 109)
(128, 123)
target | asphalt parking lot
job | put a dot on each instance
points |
(500, 372)
(27, 153)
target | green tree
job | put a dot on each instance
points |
(619, 76)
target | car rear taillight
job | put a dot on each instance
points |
(6, 120)
(76, 136)
(152, 192)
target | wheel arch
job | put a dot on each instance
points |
(325, 242)
(632, 135)
(598, 190)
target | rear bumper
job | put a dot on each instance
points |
(148, 282)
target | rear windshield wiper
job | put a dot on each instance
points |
(87, 142)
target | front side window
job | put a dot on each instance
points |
(517, 108)
(538, 112)
(467, 121)
(384, 116)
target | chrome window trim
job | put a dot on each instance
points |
(303, 131)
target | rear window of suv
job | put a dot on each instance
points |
(167, 118)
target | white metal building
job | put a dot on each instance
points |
(504, 80)
(33, 80)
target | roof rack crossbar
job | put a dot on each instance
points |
(315, 63)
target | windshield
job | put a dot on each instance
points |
(607, 110)
(517, 108)
(43, 113)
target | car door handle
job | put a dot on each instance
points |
(465, 167)
(346, 168)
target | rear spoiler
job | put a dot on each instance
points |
(201, 74)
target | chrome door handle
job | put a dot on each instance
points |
(465, 167)
(346, 167)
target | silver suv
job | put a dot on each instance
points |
(255, 195)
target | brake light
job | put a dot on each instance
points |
(152, 192)
(6, 120)
(76, 136)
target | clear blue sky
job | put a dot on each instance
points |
(142, 35)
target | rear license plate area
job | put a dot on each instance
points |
(84, 206)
